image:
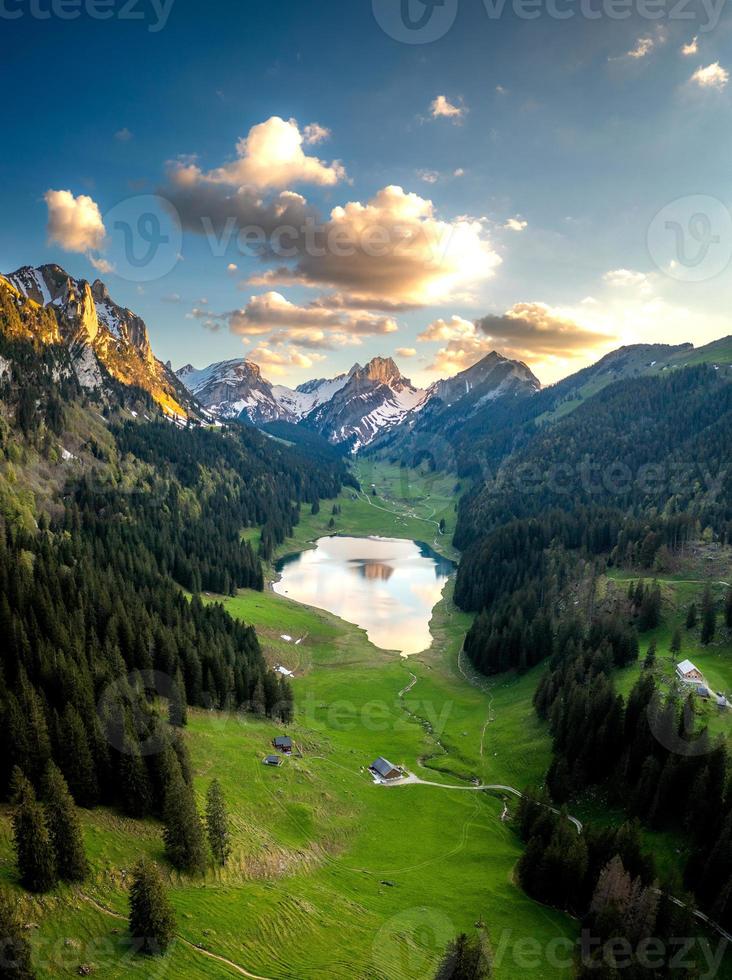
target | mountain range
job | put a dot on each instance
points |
(376, 407)
(372, 406)
(355, 408)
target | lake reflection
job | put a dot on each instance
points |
(385, 585)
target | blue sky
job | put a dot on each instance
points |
(567, 181)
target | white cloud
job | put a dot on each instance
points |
(643, 47)
(171, 298)
(123, 135)
(501, 90)
(463, 345)
(691, 48)
(271, 156)
(628, 278)
(516, 224)
(428, 176)
(712, 77)
(280, 362)
(442, 107)
(406, 352)
(315, 133)
(459, 172)
(74, 223)
(101, 264)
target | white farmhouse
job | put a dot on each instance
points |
(687, 672)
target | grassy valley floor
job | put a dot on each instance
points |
(331, 875)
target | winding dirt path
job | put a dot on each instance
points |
(411, 780)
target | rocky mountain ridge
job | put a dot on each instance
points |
(355, 408)
(103, 338)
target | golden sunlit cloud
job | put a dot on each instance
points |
(516, 224)
(394, 250)
(279, 363)
(712, 77)
(441, 107)
(532, 332)
(272, 310)
(270, 157)
(74, 223)
(316, 327)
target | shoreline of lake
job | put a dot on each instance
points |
(387, 586)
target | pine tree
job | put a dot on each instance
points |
(64, 827)
(134, 785)
(691, 617)
(75, 758)
(15, 950)
(259, 705)
(613, 887)
(465, 959)
(676, 642)
(650, 609)
(217, 824)
(285, 703)
(177, 707)
(183, 834)
(650, 660)
(152, 921)
(728, 609)
(708, 617)
(33, 848)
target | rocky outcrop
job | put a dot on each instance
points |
(79, 313)
(101, 335)
(122, 323)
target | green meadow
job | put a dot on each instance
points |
(332, 875)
